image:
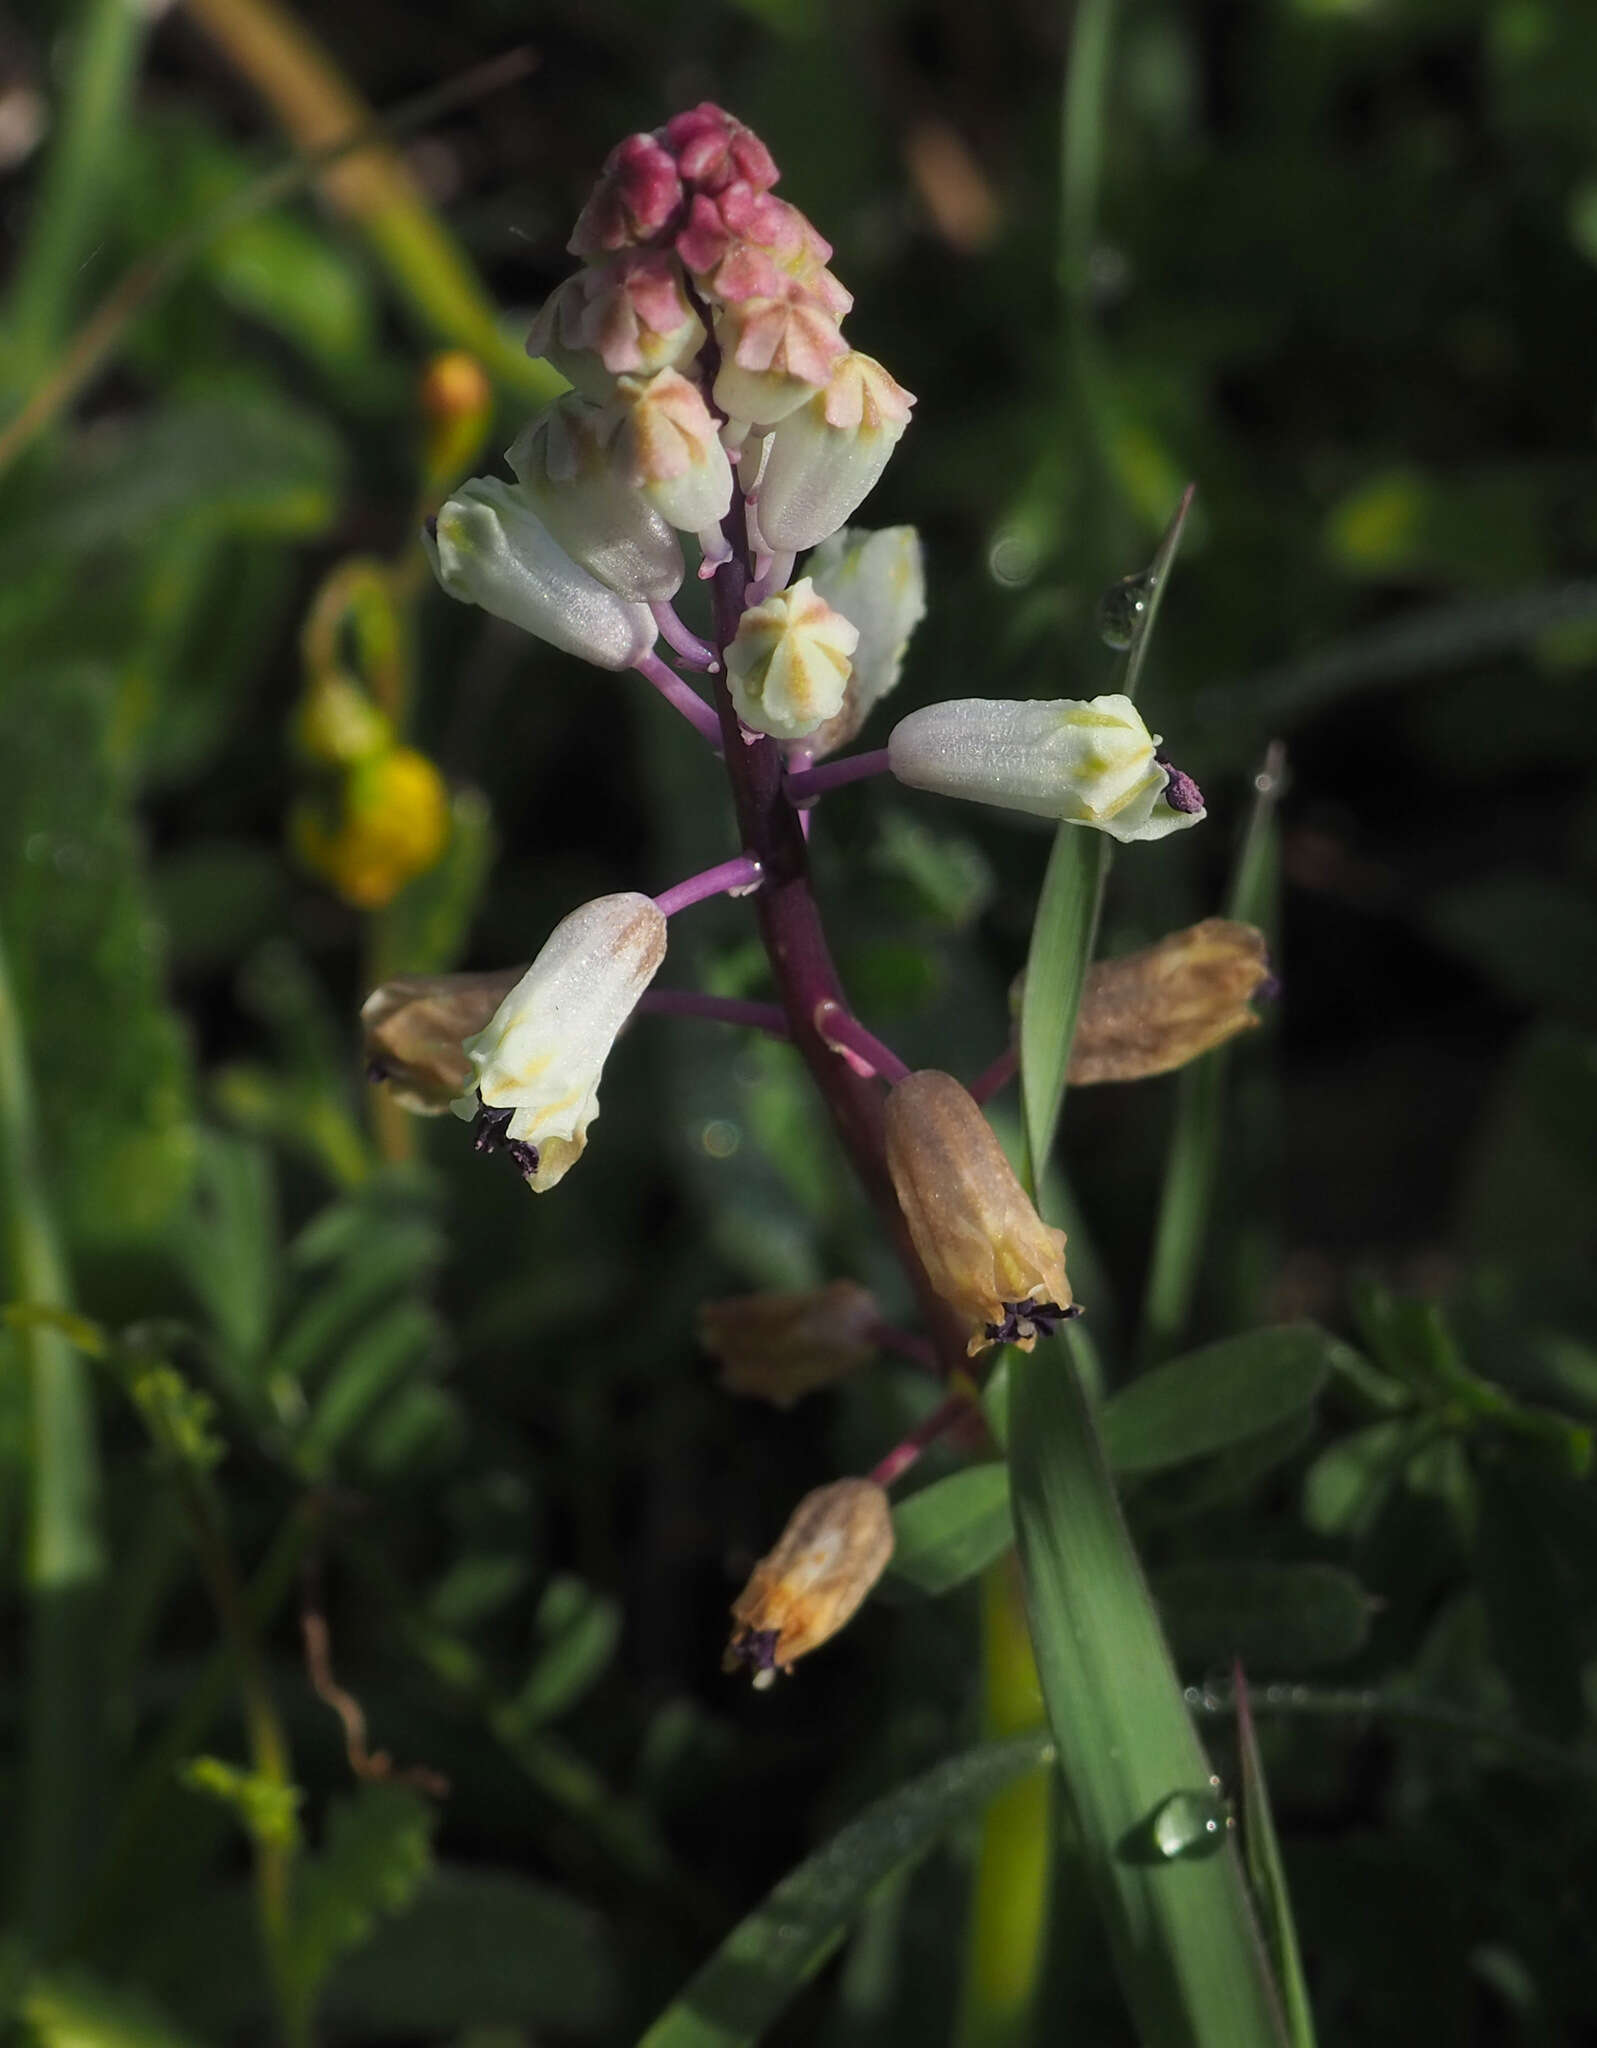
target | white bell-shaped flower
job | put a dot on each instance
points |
(488, 547)
(826, 456)
(877, 581)
(788, 664)
(1091, 763)
(536, 1065)
(566, 465)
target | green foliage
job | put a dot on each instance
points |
(266, 1811)
(376, 1855)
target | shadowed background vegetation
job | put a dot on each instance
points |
(1336, 262)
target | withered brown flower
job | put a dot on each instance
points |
(835, 1547)
(1155, 1010)
(985, 1249)
(414, 1027)
(779, 1347)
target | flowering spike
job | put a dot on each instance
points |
(415, 1029)
(835, 1547)
(1088, 763)
(985, 1249)
(536, 1064)
(878, 582)
(565, 463)
(827, 455)
(788, 664)
(488, 547)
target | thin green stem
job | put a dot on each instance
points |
(77, 174)
(65, 1564)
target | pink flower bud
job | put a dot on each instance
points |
(775, 353)
(828, 454)
(638, 191)
(628, 317)
(712, 149)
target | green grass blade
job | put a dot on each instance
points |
(1066, 925)
(1192, 1163)
(1265, 1874)
(1056, 967)
(769, 1956)
(1188, 1953)
(65, 1566)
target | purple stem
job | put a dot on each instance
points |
(1002, 1071)
(681, 696)
(741, 873)
(695, 652)
(813, 782)
(943, 1417)
(795, 943)
(846, 1034)
(689, 1002)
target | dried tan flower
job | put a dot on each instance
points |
(835, 1547)
(1155, 1010)
(414, 1027)
(985, 1249)
(780, 1347)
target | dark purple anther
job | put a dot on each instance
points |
(376, 1072)
(1268, 989)
(430, 527)
(1031, 1318)
(756, 1647)
(524, 1155)
(488, 1128)
(1182, 793)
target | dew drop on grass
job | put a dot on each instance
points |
(1122, 609)
(1189, 1825)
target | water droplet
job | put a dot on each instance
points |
(1012, 557)
(1122, 609)
(720, 1138)
(1188, 1825)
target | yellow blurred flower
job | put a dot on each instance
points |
(385, 823)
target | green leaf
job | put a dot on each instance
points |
(478, 1948)
(1216, 1397)
(952, 1529)
(424, 930)
(766, 1959)
(1350, 1482)
(1265, 1873)
(1186, 1948)
(1285, 1617)
(377, 1852)
(1539, 1621)
(386, 1352)
(225, 1245)
(581, 1630)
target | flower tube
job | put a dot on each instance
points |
(1092, 763)
(566, 467)
(535, 1067)
(829, 453)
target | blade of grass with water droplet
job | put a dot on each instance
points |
(1187, 1951)
(1065, 929)
(1263, 1854)
(770, 1955)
